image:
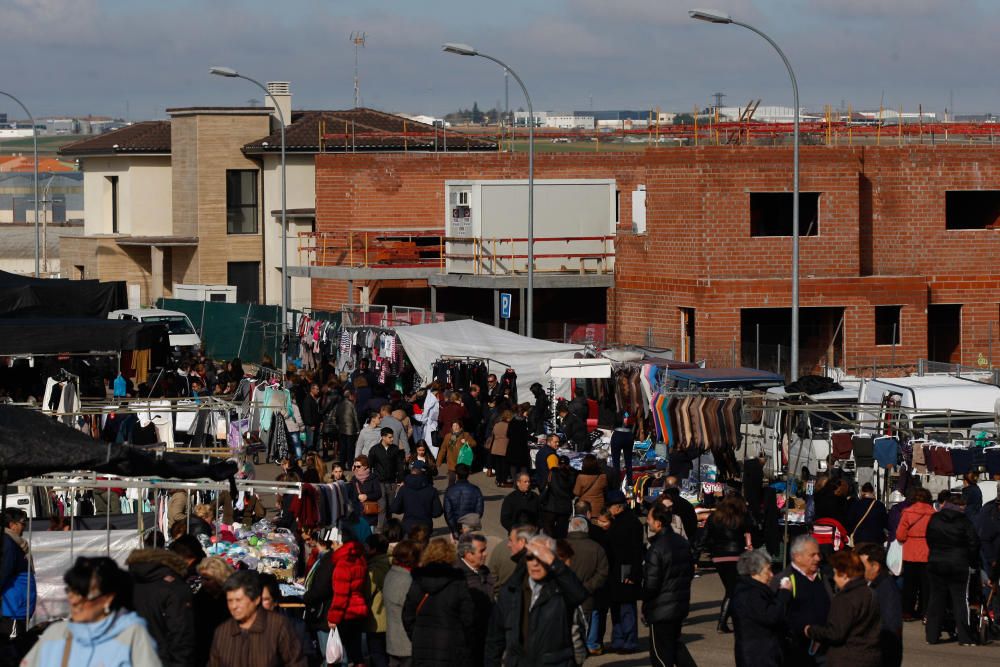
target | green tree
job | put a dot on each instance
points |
(683, 119)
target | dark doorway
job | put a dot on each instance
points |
(766, 339)
(687, 334)
(944, 332)
(246, 277)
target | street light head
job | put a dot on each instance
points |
(459, 49)
(710, 15)
(224, 71)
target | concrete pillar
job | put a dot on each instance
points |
(156, 281)
(434, 303)
(520, 303)
(496, 308)
(350, 292)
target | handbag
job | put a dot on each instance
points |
(334, 647)
(368, 507)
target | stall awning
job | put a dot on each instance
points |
(54, 336)
(24, 296)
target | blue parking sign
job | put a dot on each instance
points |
(505, 305)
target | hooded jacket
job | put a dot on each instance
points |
(350, 581)
(461, 498)
(912, 532)
(667, 577)
(953, 543)
(439, 616)
(417, 501)
(118, 640)
(515, 504)
(163, 599)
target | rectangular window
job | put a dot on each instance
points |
(972, 209)
(241, 201)
(246, 277)
(771, 213)
(887, 324)
(113, 183)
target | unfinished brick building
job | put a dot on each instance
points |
(897, 248)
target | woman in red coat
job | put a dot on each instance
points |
(349, 608)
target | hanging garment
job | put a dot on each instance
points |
(886, 451)
(863, 447)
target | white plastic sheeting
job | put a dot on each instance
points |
(529, 357)
(52, 556)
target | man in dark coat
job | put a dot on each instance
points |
(163, 599)
(417, 499)
(545, 459)
(954, 548)
(472, 563)
(540, 410)
(890, 604)
(683, 509)
(533, 617)
(311, 415)
(462, 498)
(811, 596)
(386, 461)
(988, 528)
(666, 597)
(590, 565)
(625, 552)
(520, 505)
(574, 429)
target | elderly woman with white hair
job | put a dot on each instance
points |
(758, 612)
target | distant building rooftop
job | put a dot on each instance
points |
(147, 137)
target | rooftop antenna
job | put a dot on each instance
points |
(358, 39)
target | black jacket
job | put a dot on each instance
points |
(163, 599)
(311, 413)
(872, 527)
(576, 432)
(460, 499)
(370, 487)
(988, 529)
(546, 640)
(481, 586)
(387, 463)
(319, 593)
(439, 616)
(417, 500)
(666, 583)
(720, 541)
(953, 543)
(558, 495)
(517, 504)
(759, 620)
(685, 511)
(625, 552)
(518, 454)
(852, 628)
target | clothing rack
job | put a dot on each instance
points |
(454, 357)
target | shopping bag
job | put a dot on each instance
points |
(465, 455)
(334, 648)
(894, 558)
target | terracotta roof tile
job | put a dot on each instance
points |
(364, 130)
(151, 136)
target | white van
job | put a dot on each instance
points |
(182, 332)
(935, 406)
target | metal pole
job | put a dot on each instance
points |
(530, 328)
(795, 202)
(758, 347)
(34, 150)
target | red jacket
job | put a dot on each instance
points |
(350, 575)
(912, 532)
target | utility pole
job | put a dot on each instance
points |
(718, 99)
(358, 39)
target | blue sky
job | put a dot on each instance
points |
(106, 56)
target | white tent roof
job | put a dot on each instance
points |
(529, 357)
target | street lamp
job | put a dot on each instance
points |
(34, 143)
(715, 16)
(466, 50)
(233, 74)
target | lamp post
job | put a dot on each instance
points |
(466, 50)
(233, 74)
(715, 16)
(34, 145)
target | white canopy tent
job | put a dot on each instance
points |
(529, 357)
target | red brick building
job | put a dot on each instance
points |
(898, 245)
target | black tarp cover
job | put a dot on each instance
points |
(53, 336)
(34, 444)
(24, 296)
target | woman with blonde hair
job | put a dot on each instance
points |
(439, 614)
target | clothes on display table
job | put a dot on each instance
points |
(460, 374)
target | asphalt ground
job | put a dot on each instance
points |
(707, 647)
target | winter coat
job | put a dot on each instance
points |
(852, 628)
(625, 553)
(481, 585)
(451, 412)
(310, 411)
(387, 463)
(117, 640)
(666, 582)
(576, 432)
(591, 488)
(912, 532)
(210, 611)
(518, 454)
(319, 593)
(460, 499)
(721, 541)
(953, 544)
(371, 488)
(546, 459)
(547, 638)
(517, 504)
(759, 622)
(558, 495)
(368, 439)
(16, 578)
(417, 500)
(350, 580)
(378, 567)
(397, 585)
(988, 529)
(871, 528)
(439, 616)
(346, 418)
(452, 446)
(590, 565)
(973, 496)
(498, 440)
(163, 599)
(201, 527)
